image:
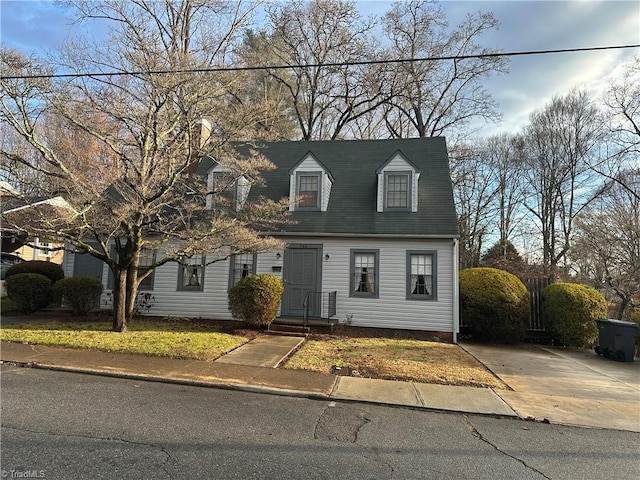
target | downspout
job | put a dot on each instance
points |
(456, 292)
(35, 250)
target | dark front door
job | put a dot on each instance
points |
(301, 276)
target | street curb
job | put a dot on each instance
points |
(177, 381)
(249, 388)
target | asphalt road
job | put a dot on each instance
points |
(58, 425)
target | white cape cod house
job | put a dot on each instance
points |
(374, 243)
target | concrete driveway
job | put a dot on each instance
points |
(575, 387)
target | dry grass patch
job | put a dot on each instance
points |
(394, 359)
(183, 339)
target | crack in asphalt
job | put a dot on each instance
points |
(476, 433)
(378, 459)
(94, 437)
(338, 424)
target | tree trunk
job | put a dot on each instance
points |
(622, 307)
(120, 320)
(132, 289)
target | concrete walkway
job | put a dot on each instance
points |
(264, 351)
(570, 387)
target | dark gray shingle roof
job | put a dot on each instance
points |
(352, 204)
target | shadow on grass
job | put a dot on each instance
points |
(102, 322)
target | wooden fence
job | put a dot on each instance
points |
(535, 286)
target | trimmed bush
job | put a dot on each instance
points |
(82, 293)
(255, 298)
(494, 304)
(30, 291)
(570, 311)
(52, 271)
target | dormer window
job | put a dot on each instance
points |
(228, 190)
(310, 185)
(398, 185)
(397, 190)
(308, 190)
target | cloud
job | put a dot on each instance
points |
(33, 26)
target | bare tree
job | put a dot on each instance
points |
(622, 105)
(505, 156)
(305, 36)
(607, 246)
(474, 189)
(431, 98)
(560, 140)
(132, 192)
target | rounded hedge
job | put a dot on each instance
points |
(30, 291)
(52, 271)
(255, 298)
(82, 293)
(494, 304)
(570, 311)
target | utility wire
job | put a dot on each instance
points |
(317, 65)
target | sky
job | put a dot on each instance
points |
(35, 26)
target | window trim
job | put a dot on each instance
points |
(352, 271)
(318, 206)
(409, 175)
(191, 288)
(232, 269)
(434, 275)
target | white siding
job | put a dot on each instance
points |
(390, 310)
(211, 302)
(326, 191)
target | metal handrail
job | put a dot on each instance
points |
(325, 303)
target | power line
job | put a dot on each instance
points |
(318, 65)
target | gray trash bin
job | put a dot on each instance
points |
(617, 339)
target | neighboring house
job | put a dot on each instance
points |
(374, 243)
(42, 251)
(19, 244)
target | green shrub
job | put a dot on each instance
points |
(255, 298)
(570, 311)
(52, 271)
(30, 291)
(82, 293)
(494, 304)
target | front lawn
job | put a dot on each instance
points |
(174, 339)
(394, 359)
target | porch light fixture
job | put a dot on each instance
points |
(327, 256)
(278, 255)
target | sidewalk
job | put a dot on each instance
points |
(223, 374)
(548, 385)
